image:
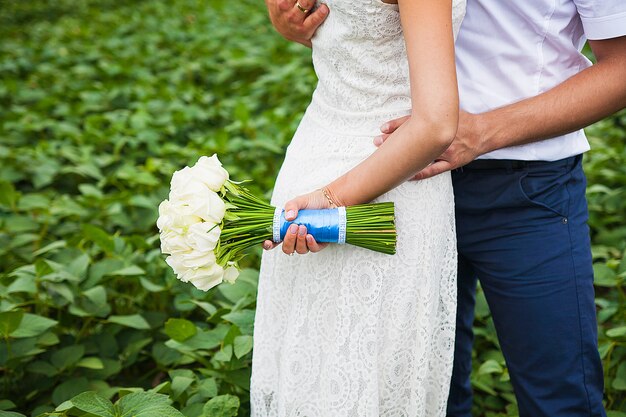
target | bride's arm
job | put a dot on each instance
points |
(427, 27)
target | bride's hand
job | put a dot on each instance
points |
(297, 239)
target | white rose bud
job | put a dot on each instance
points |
(204, 278)
(230, 274)
(203, 237)
(211, 172)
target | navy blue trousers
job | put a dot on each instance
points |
(522, 231)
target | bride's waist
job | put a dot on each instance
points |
(352, 120)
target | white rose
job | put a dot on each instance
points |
(230, 274)
(194, 198)
(181, 178)
(202, 237)
(196, 259)
(174, 243)
(176, 216)
(175, 263)
(165, 210)
(204, 278)
(211, 172)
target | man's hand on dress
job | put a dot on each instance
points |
(466, 146)
(295, 20)
(297, 239)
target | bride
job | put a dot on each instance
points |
(345, 331)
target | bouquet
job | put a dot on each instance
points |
(209, 222)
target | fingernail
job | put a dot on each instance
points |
(293, 229)
(267, 246)
(384, 127)
(310, 238)
(378, 140)
(291, 215)
(301, 230)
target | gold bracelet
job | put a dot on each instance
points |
(330, 200)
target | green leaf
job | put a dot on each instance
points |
(25, 283)
(207, 388)
(244, 319)
(10, 321)
(43, 368)
(225, 354)
(616, 332)
(96, 295)
(67, 356)
(91, 402)
(208, 307)
(48, 339)
(205, 339)
(221, 406)
(179, 385)
(69, 389)
(146, 404)
(6, 404)
(91, 363)
(619, 384)
(33, 325)
(78, 267)
(246, 285)
(99, 237)
(604, 276)
(10, 414)
(8, 195)
(151, 286)
(242, 345)
(127, 271)
(133, 320)
(51, 247)
(490, 367)
(30, 202)
(180, 329)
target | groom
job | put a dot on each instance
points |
(526, 91)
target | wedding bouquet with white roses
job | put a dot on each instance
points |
(209, 221)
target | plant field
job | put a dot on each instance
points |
(100, 101)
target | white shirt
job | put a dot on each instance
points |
(508, 50)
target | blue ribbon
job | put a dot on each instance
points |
(327, 225)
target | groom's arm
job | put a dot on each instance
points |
(589, 96)
(583, 99)
(294, 24)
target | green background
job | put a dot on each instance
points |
(100, 101)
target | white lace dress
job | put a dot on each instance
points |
(347, 331)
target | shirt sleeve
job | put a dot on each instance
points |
(602, 19)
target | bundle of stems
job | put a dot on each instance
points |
(249, 219)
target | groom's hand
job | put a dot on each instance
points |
(295, 23)
(464, 149)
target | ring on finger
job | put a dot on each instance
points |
(302, 9)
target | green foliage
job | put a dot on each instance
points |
(100, 101)
(606, 168)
